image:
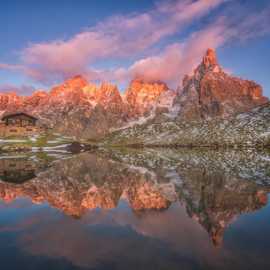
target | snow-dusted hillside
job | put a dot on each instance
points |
(247, 129)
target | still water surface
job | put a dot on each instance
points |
(135, 209)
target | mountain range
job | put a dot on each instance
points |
(206, 99)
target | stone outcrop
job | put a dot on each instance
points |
(142, 97)
(211, 92)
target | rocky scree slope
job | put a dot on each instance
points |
(210, 92)
(250, 129)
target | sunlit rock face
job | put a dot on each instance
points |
(214, 187)
(74, 83)
(10, 101)
(38, 98)
(211, 92)
(83, 110)
(109, 98)
(142, 97)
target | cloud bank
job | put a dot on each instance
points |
(136, 36)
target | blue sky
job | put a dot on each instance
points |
(45, 42)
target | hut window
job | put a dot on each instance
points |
(13, 130)
(24, 123)
(29, 129)
(11, 121)
(12, 165)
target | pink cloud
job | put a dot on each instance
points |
(176, 60)
(119, 36)
(179, 59)
(135, 35)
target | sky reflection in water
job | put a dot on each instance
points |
(152, 209)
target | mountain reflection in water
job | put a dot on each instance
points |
(137, 209)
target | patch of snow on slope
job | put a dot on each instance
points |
(12, 157)
(265, 158)
(173, 112)
(140, 121)
(12, 141)
(34, 138)
(265, 134)
(166, 99)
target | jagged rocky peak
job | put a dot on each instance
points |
(108, 89)
(75, 83)
(210, 92)
(147, 88)
(36, 99)
(90, 88)
(109, 97)
(39, 93)
(10, 102)
(209, 64)
(143, 95)
(210, 58)
(139, 83)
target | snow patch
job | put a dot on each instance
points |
(13, 141)
(140, 121)
(265, 134)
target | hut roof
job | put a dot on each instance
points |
(10, 115)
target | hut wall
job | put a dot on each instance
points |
(15, 164)
(9, 131)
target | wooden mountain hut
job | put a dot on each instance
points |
(19, 120)
(20, 124)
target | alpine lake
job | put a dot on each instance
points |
(127, 208)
